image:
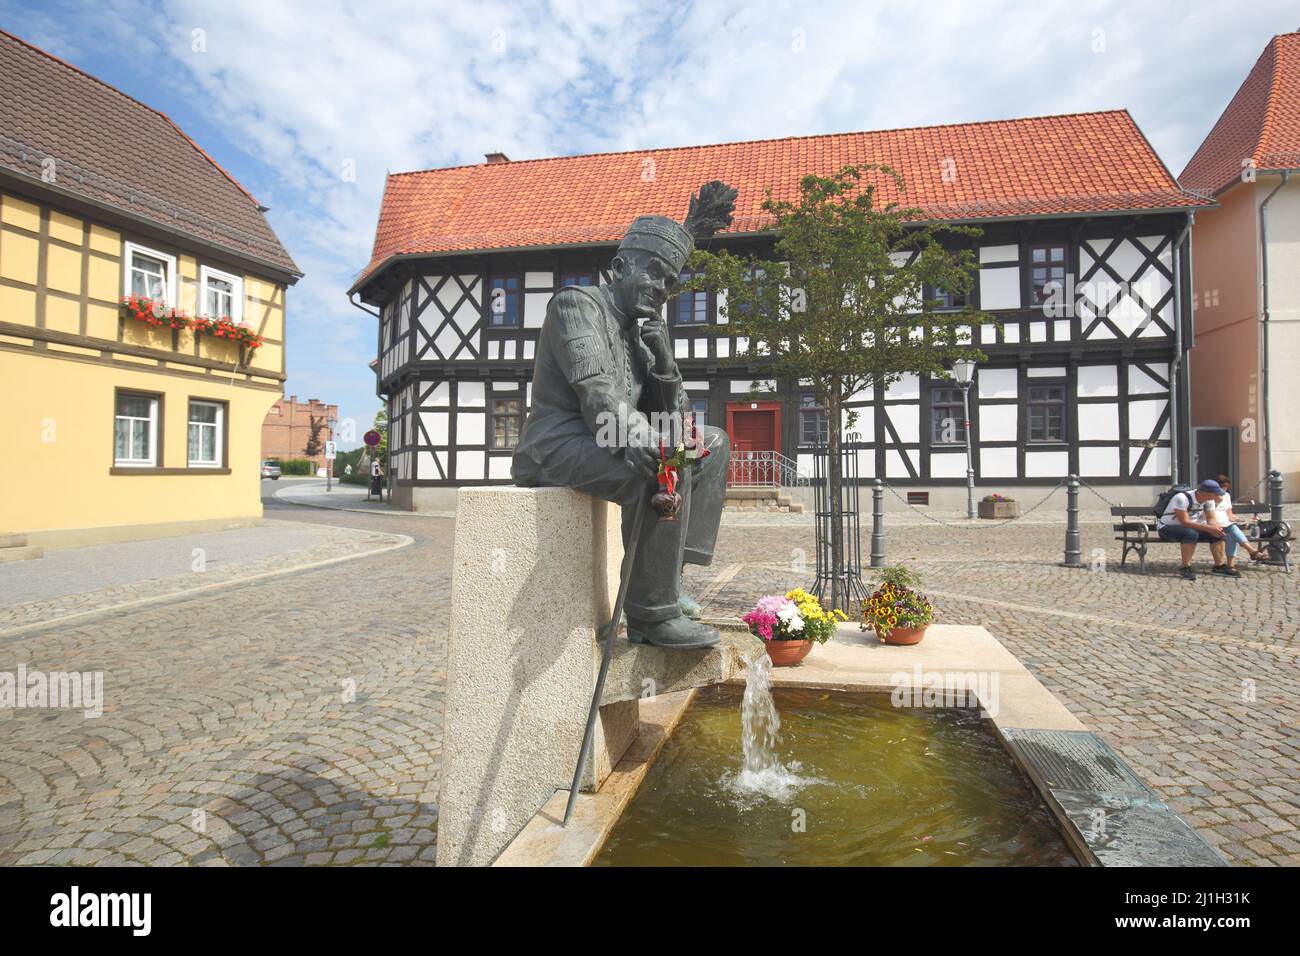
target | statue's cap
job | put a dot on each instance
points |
(662, 236)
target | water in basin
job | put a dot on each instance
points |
(849, 780)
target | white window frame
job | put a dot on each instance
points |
(130, 249)
(218, 445)
(152, 460)
(236, 292)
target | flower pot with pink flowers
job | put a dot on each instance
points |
(790, 624)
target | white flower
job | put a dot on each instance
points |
(791, 618)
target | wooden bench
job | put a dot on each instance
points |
(1137, 531)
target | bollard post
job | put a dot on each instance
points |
(878, 524)
(1073, 548)
(1274, 508)
(1275, 496)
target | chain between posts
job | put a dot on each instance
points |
(997, 524)
(1099, 494)
(1245, 496)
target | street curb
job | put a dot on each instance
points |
(289, 500)
(404, 541)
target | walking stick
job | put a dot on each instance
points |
(606, 651)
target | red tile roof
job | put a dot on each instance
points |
(1051, 165)
(1262, 123)
(115, 150)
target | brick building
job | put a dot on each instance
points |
(287, 428)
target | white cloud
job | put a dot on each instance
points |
(305, 88)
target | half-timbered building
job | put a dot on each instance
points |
(1083, 261)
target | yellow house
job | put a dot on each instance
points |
(114, 427)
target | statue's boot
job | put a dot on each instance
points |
(679, 633)
(689, 606)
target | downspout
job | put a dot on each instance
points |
(1178, 418)
(384, 396)
(358, 305)
(1263, 259)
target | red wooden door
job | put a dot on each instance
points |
(754, 427)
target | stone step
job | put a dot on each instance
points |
(12, 539)
(761, 499)
(11, 554)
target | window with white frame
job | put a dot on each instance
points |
(205, 439)
(135, 430)
(149, 273)
(221, 295)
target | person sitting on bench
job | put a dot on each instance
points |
(1177, 524)
(1233, 536)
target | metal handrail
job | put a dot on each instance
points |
(765, 469)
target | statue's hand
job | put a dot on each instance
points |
(644, 460)
(654, 333)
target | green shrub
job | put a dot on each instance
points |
(295, 466)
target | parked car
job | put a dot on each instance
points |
(271, 471)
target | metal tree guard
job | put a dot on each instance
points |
(844, 582)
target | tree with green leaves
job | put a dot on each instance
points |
(853, 299)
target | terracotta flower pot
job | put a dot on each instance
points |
(903, 635)
(787, 653)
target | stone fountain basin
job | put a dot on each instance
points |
(1073, 770)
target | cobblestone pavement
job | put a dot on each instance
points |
(229, 736)
(1196, 684)
(77, 581)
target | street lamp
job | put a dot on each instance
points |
(329, 462)
(963, 370)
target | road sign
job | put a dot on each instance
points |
(329, 451)
(372, 438)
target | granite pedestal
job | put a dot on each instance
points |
(534, 571)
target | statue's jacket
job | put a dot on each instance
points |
(593, 377)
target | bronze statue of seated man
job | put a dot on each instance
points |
(608, 403)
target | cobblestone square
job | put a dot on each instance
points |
(297, 719)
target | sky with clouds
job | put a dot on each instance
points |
(309, 104)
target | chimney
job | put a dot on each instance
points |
(494, 158)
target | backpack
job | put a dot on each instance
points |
(1162, 502)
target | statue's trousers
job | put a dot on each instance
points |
(581, 464)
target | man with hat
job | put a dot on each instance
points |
(608, 403)
(1184, 520)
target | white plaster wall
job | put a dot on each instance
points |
(1099, 462)
(997, 462)
(1099, 422)
(1046, 464)
(997, 422)
(470, 395)
(1142, 417)
(469, 428)
(996, 383)
(1000, 288)
(435, 423)
(1097, 381)
(535, 308)
(948, 465)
